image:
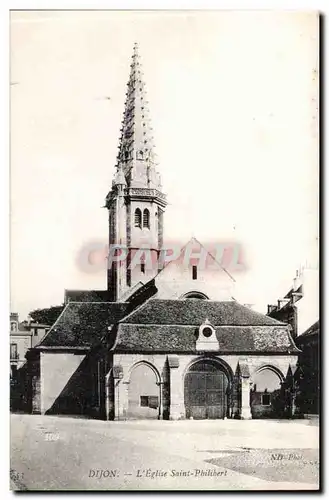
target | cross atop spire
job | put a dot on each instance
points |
(136, 149)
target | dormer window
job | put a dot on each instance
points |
(207, 339)
(207, 332)
(138, 218)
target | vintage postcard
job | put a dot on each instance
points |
(164, 316)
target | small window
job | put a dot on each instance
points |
(194, 272)
(35, 331)
(13, 326)
(144, 401)
(138, 218)
(146, 218)
(142, 268)
(140, 155)
(149, 402)
(266, 399)
(207, 332)
(13, 351)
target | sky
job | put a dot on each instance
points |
(233, 99)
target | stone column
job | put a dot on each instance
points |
(121, 388)
(160, 385)
(245, 398)
(177, 410)
(120, 399)
(109, 397)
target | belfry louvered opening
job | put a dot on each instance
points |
(146, 218)
(138, 218)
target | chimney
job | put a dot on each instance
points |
(271, 308)
(282, 302)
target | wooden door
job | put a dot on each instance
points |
(205, 391)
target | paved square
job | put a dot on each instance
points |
(56, 453)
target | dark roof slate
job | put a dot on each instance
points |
(195, 311)
(166, 326)
(83, 324)
(86, 296)
(170, 338)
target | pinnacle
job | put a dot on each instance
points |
(120, 178)
(136, 149)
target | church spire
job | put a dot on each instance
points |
(136, 203)
(136, 150)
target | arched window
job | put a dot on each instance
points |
(195, 295)
(146, 218)
(138, 218)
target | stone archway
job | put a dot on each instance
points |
(266, 392)
(144, 392)
(206, 387)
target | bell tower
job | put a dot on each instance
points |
(136, 202)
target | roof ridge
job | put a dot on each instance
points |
(173, 325)
(135, 310)
(211, 255)
(208, 252)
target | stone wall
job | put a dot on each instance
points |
(56, 370)
(171, 370)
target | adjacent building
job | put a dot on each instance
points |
(309, 363)
(306, 376)
(23, 336)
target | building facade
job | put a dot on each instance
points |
(23, 337)
(167, 339)
(309, 363)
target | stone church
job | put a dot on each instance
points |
(163, 341)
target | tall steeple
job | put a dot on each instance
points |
(136, 149)
(135, 203)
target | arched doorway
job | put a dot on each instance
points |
(266, 393)
(143, 393)
(206, 390)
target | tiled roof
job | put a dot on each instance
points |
(83, 324)
(172, 326)
(86, 296)
(180, 339)
(166, 326)
(195, 311)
